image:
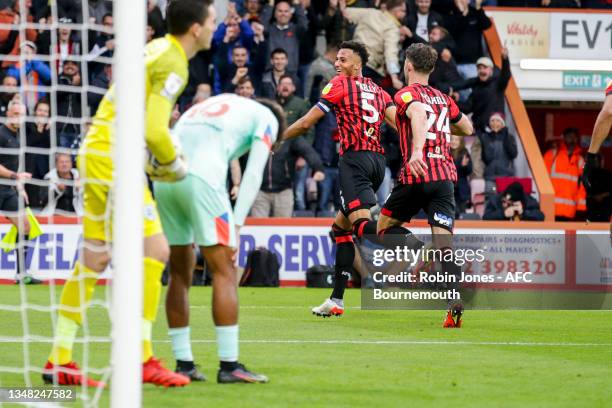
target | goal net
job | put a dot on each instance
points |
(57, 59)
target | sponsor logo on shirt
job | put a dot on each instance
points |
(406, 97)
(172, 85)
(327, 88)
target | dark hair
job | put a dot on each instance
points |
(571, 130)
(106, 15)
(279, 51)
(284, 76)
(422, 57)
(41, 101)
(244, 80)
(182, 14)
(391, 4)
(358, 48)
(278, 112)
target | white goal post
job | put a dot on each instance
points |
(126, 364)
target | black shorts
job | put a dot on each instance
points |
(436, 198)
(8, 199)
(360, 173)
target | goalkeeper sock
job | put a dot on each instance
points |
(79, 287)
(181, 344)
(153, 270)
(147, 346)
(227, 343)
(64, 339)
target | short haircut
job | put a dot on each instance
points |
(422, 57)
(106, 15)
(182, 14)
(42, 101)
(278, 51)
(443, 30)
(357, 48)
(285, 76)
(391, 4)
(278, 113)
(244, 80)
(238, 46)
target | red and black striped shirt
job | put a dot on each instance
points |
(359, 105)
(440, 108)
(609, 89)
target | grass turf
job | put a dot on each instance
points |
(371, 358)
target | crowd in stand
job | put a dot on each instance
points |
(266, 49)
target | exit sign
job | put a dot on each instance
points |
(586, 80)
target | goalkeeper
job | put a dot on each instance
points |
(198, 210)
(190, 27)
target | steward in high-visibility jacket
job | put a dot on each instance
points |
(565, 168)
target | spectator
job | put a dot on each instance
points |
(466, 24)
(64, 191)
(380, 32)
(9, 83)
(422, 19)
(560, 3)
(498, 151)
(102, 81)
(463, 162)
(308, 43)
(35, 73)
(11, 15)
(230, 73)
(69, 105)
(276, 195)
(445, 76)
(11, 187)
(38, 137)
(564, 164)
(199, 72)
(98, 9)
(326, 145)
(102, 45)
(66, 44)
(294, 108)
(599, 196)
(337, 28)
(245, 87)
(252, 11)
(282, 33)
(203, 92)
(513, 205)
(488, 91)
(321, 72)
(271, 78)
(156, 19)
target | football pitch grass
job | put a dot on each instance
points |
(364, 359)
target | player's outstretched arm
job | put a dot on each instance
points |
(253, 174)
(418, 121)
(390, 113)
(301, 126)
(463, 127)
(601, 130)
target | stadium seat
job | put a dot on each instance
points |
(478, 197)
(501, 183)
(470, 216)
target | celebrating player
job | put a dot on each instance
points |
(427, 177)
(190, 27)
(601, 130)
(198, 210)
(360, 107)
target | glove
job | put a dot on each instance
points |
(173, 171)
(589, 164)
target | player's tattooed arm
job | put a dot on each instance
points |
(418, 122)
(301, 126)
(390, 113)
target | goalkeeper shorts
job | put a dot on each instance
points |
(96, 170)
(192, 211)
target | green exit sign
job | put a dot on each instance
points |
(586, 80)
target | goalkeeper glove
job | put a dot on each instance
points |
(174, 171)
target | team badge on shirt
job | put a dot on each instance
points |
(327, 88)
(406, 97)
